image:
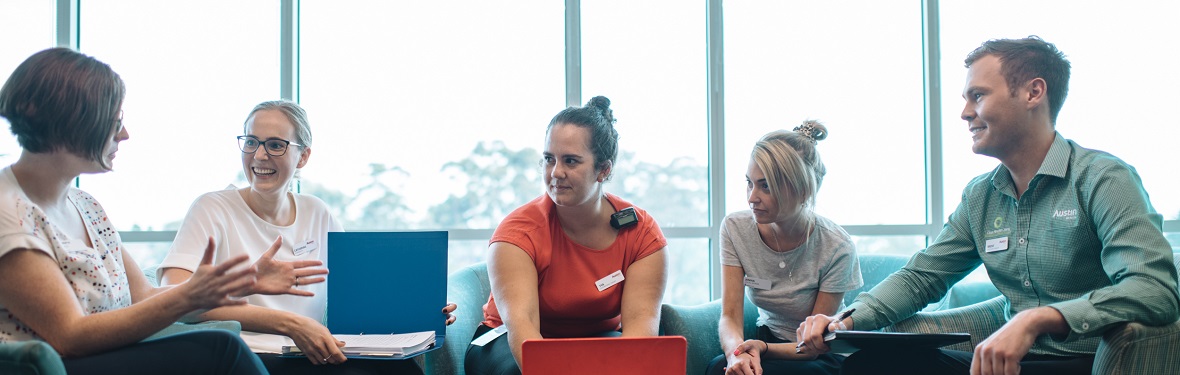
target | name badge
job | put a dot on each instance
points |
(762, 284)
(488, 336)
(996, 244)
(609, 281)
(304, 247)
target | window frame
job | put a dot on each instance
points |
(67, 29)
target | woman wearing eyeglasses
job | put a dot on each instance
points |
(64, 277)
(266, 220)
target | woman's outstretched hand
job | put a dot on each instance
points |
(212, 286)
(284, 277)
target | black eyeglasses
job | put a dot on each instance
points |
(274, 147)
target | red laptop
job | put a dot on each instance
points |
(658, 355)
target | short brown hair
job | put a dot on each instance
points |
(1022, 60)
(61, 99)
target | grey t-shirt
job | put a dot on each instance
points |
(825, 263)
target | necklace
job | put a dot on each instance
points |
(781, 264)
(778, 244)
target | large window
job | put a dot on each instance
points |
(654, 74)
(190, 84)
(32, 20)
(854, 66)
(857, 68)
(431, 116)
(1123, 78)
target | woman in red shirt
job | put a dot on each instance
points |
(560, 266)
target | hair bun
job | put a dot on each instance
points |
(813, 130)
(602, 104)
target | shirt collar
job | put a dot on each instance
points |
(1056, 164)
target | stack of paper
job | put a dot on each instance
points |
(394, 345)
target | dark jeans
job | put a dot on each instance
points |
(200, 352)
(353, 366)
(941, 361)
(826, 364)
(494, 358)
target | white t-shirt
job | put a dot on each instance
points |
(95, 273)
(236, 230)
(825, 263)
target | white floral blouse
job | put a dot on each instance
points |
(94, 270)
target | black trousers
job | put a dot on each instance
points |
(494, 358)
(941, 361)
(826, 364)
(199, 352)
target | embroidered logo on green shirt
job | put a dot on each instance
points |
(1065, 214)
(998, 231)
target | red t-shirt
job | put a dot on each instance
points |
(570, 304)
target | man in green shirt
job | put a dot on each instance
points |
(1066, 234)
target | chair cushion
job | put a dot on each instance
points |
(30, 357)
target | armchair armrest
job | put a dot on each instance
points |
(30, 357)
(1134, 348)
(469, 288)
(980, 320)
(698, 324)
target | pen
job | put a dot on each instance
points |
(844, 315)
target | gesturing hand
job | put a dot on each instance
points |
(211, 286)
(282, 277)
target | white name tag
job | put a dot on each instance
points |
(488, 336)
(762, 284)
(304, 247)
(609, 281)
(996, 244)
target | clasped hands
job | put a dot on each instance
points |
(747, 358)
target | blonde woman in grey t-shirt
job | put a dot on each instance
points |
(794, 262)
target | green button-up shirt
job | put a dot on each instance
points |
(1083, 239)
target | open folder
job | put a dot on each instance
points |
(386, 292)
